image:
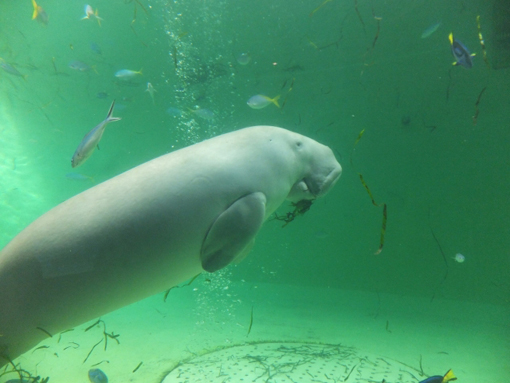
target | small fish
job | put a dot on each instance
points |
(460, 53)
(448, 377)
(204, 113)
(174, 112)
(260, 101)
(96, 48)
(97, 376)
(151, 90)
(89, 14)
(91, 140)
(430, 30)
(243, 58)
(39, 13)
(127, 74)
(79, 66)
(10, 69)
(79, 177)
(102, 95)
(459, 258)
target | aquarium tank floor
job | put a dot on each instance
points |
(205, 329)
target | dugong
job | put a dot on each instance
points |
(151, 228)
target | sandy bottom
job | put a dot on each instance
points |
(426, 337)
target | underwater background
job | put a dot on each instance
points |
(429, 141)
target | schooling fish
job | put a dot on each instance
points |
(96, 48)
(461, 53)
(97, 376)
(260, 101)
(39, 13)
(151, 91)
(204, 113)
(10, 69)
(79, 66)
(89, 14)
(448, 377)
(91, 139)
(79, 177)
(127, 74)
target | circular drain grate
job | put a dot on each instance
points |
(281, 362)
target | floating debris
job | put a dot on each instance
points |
(287, 95)
(477, 111)
(106, 335)
(384, 206)
(359, 15)
(482, 43)
(319, 7)
(251, 322)
(300, 208)
(137, 367)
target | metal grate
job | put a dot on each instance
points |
(281, 362)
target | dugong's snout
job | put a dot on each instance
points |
(317, 183)
(328, 181)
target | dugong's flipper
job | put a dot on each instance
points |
(233, 231)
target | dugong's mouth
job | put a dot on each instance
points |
(315, 185)
(319, 189)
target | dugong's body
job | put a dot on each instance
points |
(152, 227)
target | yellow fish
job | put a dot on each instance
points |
(260, 101)
(89, 14)
(91, 139)
(39, 13)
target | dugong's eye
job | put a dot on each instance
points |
(299, 144)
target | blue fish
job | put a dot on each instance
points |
(174, 112)
(461, 53)
(10, 69)
(97, 376)
(79, 66)
(448, 377)
(96, 48)
(91, 139)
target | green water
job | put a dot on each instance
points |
(347, 67)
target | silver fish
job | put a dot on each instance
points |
(91, 140)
